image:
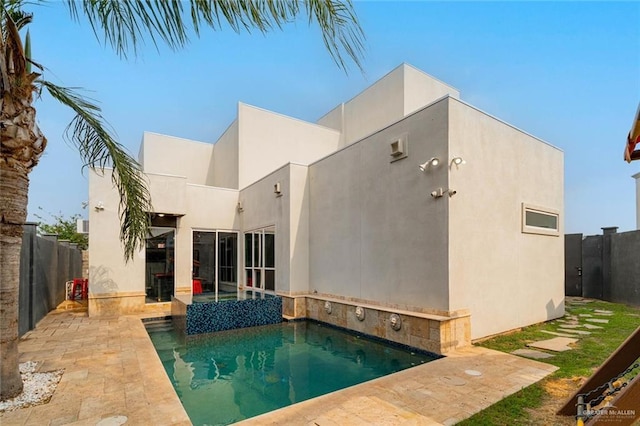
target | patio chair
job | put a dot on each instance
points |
(81, 285)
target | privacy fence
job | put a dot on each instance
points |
(604, 266)
(46, 264)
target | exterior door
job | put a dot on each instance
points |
(215, 263)
(573, 265)
(159, 265)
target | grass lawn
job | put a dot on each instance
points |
(538, 403)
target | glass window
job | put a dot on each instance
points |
(539, 220)
(248, 244)
(260, 259)
(269, 250)
(257, 249)
(269, 279)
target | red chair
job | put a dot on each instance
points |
(197, 287)
(81, 284)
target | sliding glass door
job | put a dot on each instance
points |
(215, 263)
(159, 264)
(227, 262)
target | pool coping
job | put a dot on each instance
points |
(441, 392)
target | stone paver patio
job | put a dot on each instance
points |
(112, 369)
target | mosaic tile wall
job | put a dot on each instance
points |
(232, 314)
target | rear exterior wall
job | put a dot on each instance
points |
(506, 278)
(374, 233)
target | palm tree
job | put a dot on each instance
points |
(123, 24)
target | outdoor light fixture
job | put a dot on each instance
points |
(456, 161)
(433, 162)
(437, 193)
(99, 207)
(239, 207)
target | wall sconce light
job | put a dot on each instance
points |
(456, 161)
(433, 162)
(277, 190)
(99, 207)
(437, 193)
(441, 192)
(239, 207)
(160, 214)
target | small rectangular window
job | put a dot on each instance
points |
(540, 220)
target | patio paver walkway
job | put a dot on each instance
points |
(112, 369)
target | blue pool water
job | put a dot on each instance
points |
(232, 375)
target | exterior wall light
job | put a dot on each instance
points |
(99, 207)
(360, 313)
(327, 307)
(277, 189)
(456, 161)
(437, 193)
(433, 162)
(239, 207)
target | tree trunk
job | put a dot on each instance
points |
(21, 145)
(13, 194)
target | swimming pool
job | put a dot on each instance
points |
(232, 375)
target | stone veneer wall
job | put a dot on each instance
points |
(123, 304)
(200, 318)
(434, 333)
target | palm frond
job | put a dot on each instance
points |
(340, 30)
(98, 150)
(125, 24)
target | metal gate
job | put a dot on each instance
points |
(573, 264)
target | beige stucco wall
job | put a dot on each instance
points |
(177, 156)
(377, 106)
(225, 159)
(421, 89)
(374, 232)
(505, 277)
(334, 119)
(402, 91)
(268, 141)
(263, 208)
(108, 272)
(207, 208)
(289, 213)
(299, 228)
(167, 193)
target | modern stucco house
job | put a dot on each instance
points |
(403, 200)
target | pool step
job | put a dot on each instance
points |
(159, 325)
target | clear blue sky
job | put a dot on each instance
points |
(566, 72)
